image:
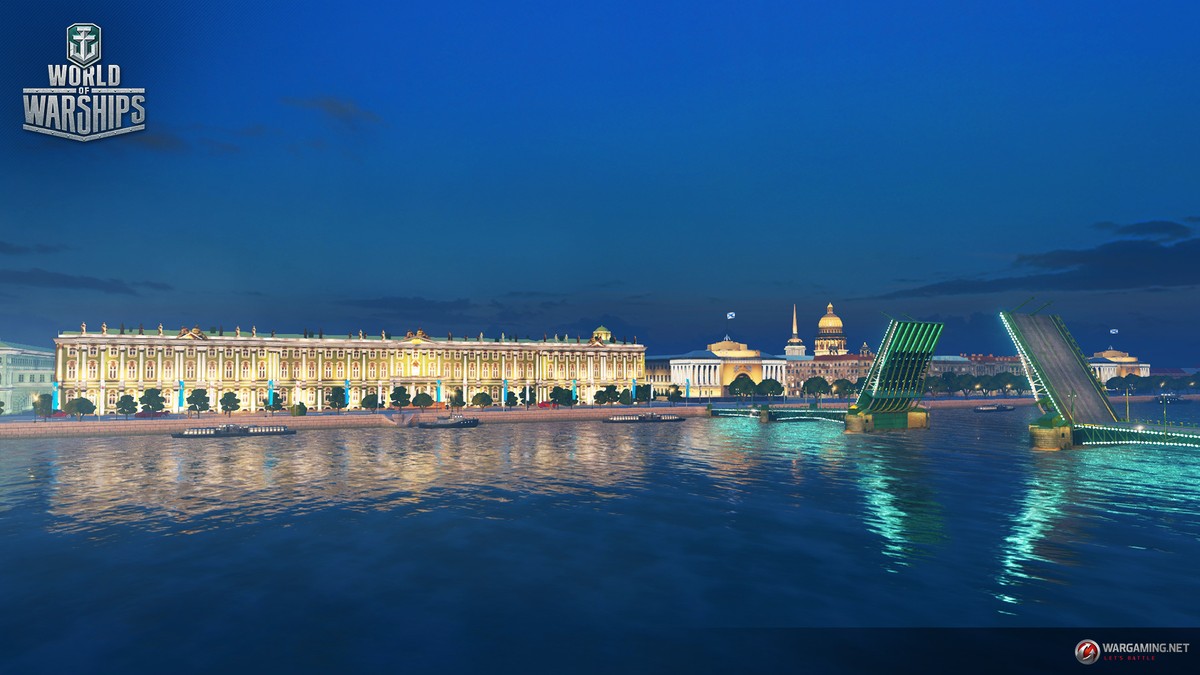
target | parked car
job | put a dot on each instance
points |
(145, 414)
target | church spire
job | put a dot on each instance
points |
(795, 330)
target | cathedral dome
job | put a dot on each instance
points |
(830, 323)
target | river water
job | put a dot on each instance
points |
(572, 546)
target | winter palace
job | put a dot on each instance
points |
(103, 365)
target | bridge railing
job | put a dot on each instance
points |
(1082, 361)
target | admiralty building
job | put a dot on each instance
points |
(103, 365)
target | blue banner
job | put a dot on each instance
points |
(347, 392)
(181, 394)
(439, 391)
(270, 392)
(573, 396)
(687, 388)
(504, 396)
(634, 390)
(54, 404)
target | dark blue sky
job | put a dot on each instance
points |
(542, 167)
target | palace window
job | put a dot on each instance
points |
(112, 398)
(283, 370)
(341, 371)
(191, 352)
(168, 370)
(495, 371)
(131, 370)
(341, 353)
(70, 370)
(328, 370)
(190, 369)
(457, 370)
(149, 371)
(212, 371)
(112, 370)
(354, 371)
(371, 371)
(245, 370)
(312, 370)
(262, 370)
(229, 370)
(470, 370)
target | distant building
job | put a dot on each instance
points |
(830, 359)
(25, 372)
(306, 368)
(831, 341)
(708, 372)
(978, 365)
(1112, 363)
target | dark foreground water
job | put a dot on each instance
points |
(574, 548)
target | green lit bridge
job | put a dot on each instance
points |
(1075, 405)
(894, 386)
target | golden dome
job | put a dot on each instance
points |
(830, 321)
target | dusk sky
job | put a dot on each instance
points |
(545, 167)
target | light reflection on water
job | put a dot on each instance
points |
(705, 523)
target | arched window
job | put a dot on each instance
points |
(354, 371)
(470, 370)
(457, 370)
(262, 370)
(283, 370)
(150, 371)
(328, 370)
(341, 370)
(245, 370)
(168, 370)
(131, 370)
(71, 370)
(212, 371)
(190, 369)
(495, 371)
(229, 370)
(312, 370)
(112, 370)
(371, 371)
(112, 398)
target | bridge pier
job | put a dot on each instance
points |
(1052, 438)
(864, 423)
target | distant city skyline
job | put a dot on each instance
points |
(550, 168)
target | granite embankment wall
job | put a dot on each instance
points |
(134, 427)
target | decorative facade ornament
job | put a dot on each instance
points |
(160, 329)
(253, 331)
(237, 331)
(83, 329)
(104, 328)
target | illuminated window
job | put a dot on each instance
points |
(354, 371)
(229, 370)
(245, 369)
(131, 370)
(341, 370)
(371, 371)
(328, 370)
(71, 370)
(112, 370)
(262, 370)
(149, 371)
(312, 370)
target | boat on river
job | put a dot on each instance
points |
(994, 407)
(235, 431)
(450, 422)
(643, 417)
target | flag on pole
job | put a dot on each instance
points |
(730, 315)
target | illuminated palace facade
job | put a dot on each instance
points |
(102, 366)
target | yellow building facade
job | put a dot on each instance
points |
(102, 366)
(707, 372)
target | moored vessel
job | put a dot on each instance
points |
(450, 422)
(994, 407)
(235, 430)
(643, 417)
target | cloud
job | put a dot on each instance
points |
(1164, 230)
(343, 111)
(8, 248)
(1118, 265)
(39, 278)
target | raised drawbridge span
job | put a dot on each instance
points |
(1076, 406)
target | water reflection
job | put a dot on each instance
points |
(158, 483)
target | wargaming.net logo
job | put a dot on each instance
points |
(84, 101)
(1087, 651)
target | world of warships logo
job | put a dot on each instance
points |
(85, 100)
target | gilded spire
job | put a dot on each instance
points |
(795, 330)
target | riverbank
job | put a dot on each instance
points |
(61, 428)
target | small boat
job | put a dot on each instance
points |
(1164, 399)
(450, 422)
(235, 430)
(994, 407)
(644, 417)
